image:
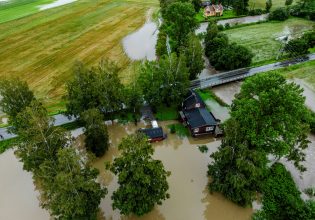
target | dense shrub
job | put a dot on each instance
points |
(161, 48)
(309, 37)
(296, 47)
(257, 11)
(279, 14)
(312, 122)
(288, 2)
(217, 43)
(227, 26)
(220, 27)
(281, 198)
(232, 57)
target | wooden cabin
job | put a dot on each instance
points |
(196, 116)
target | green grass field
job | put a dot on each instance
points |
(42, 48)
(261, 38)
(262, 4)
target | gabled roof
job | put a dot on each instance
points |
(199, 117)
(152, 132)
(192, 99)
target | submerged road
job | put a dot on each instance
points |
(215, 80)
(234, 75)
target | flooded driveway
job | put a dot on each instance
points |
(233, 21)
(140, 45)
(189, 196)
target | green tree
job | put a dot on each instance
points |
(39, 139)
(16, 96)
(288, 2)
(142, 180)
(71, 190)
(212, 46)
(164, 81)
(96, 135)
(240, 6)
(180, 20)
(197, 5)
(267, 118)
(279, 14)
(160, 48)
(98, 87)
(133, 97)
(194, 56)
(268, 5)
(296, 47)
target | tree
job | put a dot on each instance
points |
(296, 47)
(194, 56)
(267, 118)
(279, 14)
(180, 20)
(95, 131)
(232, 57)
(212, 46)
(98, 87)
(197, 5)
(282, 199)
(240, 6)
(160, 48)
(164, 81)
(39, 139)
(71, 190)
(268, 5)
(288, 2)
(142, 180)
(133, 97)
(16, 96)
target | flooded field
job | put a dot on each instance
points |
(140, 45)
(55, 4)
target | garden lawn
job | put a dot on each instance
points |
(42, 48)
(261, 38)
(262, 4)
(226, 15)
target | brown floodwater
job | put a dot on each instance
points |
(189, 196)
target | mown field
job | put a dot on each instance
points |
(43, 47)
(262, 4)
(261, 38)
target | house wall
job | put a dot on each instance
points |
(202, 130)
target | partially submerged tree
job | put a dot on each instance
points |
(98, 87)
(194, 56)
(15, 97)
(142, 180)
(297, 47)
(179, 20)
(267, 118)
(71, 190)
(164, 81)
(95, 131)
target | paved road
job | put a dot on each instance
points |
(212, 81)
(59, 120)
(239, 74)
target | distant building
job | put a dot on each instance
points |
(196, 116)
(213, 10)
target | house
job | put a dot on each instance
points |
(213, 10)
(196, 116)
(153, 134)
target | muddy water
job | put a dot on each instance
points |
(233, 21)
(220, 112)
(189, 196)
(140, 45)
(228, 91)
(18, 198)
(309, 93)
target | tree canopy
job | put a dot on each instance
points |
(16, 96)
(268, 117)
(95, 131)
(164, 81)
(142, 180)
(98, 87)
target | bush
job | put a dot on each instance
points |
(203, 148)
(288, 2)
(279, 14)
(161, 48)
(257, 11)
(227, 26)
(231, 57)
(309, 37)
(312, 122)
(296, 47)
(217, 43)
(220, 27)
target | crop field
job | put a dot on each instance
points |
(262, 4)
(261, 39)
(42, 48)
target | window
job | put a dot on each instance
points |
(196, 130)
(197, 105)
(209, 128)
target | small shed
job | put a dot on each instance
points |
(153, 134)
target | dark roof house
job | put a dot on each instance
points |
(153, 134)
(192, 101)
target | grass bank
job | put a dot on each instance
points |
(42, 48)
(261, 38)
(227, 14)
(262, 4)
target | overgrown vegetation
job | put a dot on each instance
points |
(203, 148)
(206, 94)
(179, 129)
(164, 113)
(6, 144)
